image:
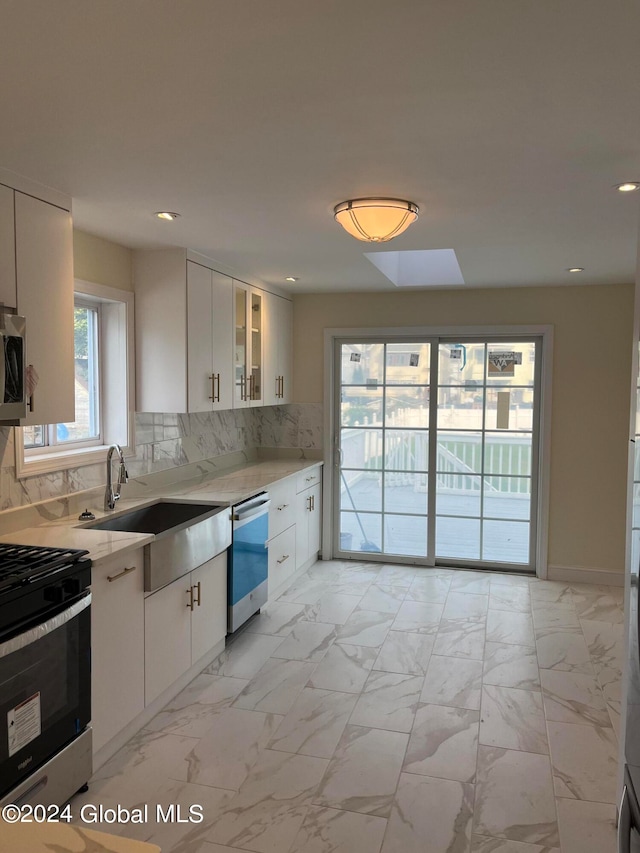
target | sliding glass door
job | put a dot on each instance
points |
(437, 449)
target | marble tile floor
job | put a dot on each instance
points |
(386, 709)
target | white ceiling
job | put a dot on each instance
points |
(506, 121)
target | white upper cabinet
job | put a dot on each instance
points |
(183, 334)
(7, 249)
(278, 349)
(205, 341)
(209, 337)
(44, 263)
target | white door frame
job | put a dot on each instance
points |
(507, 331)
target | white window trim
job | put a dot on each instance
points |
(121, 427)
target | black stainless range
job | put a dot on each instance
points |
(45, 673)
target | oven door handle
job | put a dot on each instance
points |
(32, 635)
(261, 509)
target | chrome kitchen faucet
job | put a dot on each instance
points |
(112, 493)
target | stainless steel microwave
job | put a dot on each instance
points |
(13, 370)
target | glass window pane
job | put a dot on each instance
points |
(361, 532)
(503, 370)
(458, 538)
(458, 494)
(406, 450)
(87, 423)
(361, 406)
(518, 409)
(507, 453)
(407, 364)
(636, 507)
(362, 364)
(407, 407)
(34, 436)
(459, 408)
(361, 490)
(507, 497)
(361, 448)
(405, 534)
(505, 541)
(404, 492)
(460, 452)
(461, 364)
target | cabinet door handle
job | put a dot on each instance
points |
(198, 586)
(31, 382)
(190, 594)
(277, 386)
(112, 578)
(282, 386)
(215, 394)
(313, 502)
(285, 557)
(243, 385)
(309, 503)
(252, 394)
(281, 507)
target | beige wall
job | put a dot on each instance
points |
(101, 261)
(591, 379)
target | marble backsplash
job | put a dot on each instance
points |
(165, 441)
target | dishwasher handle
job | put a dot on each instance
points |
(258, 509)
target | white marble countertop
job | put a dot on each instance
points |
(226, 487)
(65, 838)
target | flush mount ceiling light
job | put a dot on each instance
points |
(575, 269)
(166, 215)
(628, 186)
(291, 278)
(375, 220)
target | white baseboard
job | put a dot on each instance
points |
(574, 574)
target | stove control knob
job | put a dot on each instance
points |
(71, 586)
(54, 594)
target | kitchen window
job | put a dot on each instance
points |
(103, 344)
(86, 430)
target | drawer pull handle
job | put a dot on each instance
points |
(281, 507)
(308, 479)
(285, 557)
(112, 578)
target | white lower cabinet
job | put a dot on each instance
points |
(209, 615)
(282, 511)
(183, 621)
(282, 558)
(117, 645)
(308, 518)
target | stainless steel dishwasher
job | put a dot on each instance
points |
(248, 559)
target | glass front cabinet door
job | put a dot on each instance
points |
(248, 345)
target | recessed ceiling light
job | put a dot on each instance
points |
(291, 278)
(575, 269)
(628, 186)
(167, 215)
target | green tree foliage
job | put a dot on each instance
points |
(80, 332)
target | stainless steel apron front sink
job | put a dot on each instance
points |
(187, 535)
